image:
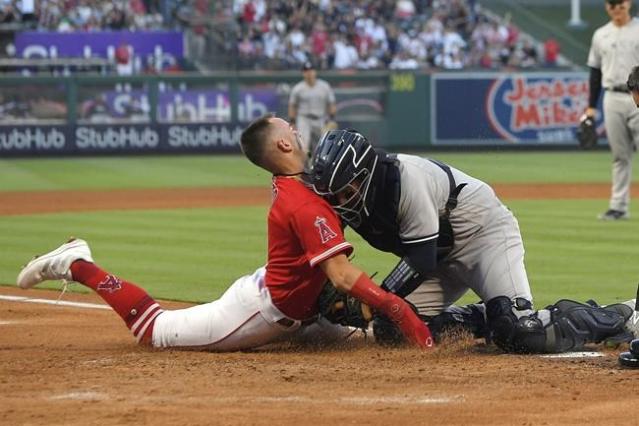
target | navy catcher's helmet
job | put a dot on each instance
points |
(341, 171)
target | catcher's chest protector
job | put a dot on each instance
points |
(381, 229)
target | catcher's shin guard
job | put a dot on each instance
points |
(571, 326)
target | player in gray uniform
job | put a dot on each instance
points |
(613, 53)
(633, 85)
(452, 234)
(311, 105)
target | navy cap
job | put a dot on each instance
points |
(307, 66)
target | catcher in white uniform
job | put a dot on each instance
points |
(452, 234)
(613, 53)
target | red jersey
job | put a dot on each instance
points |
(303, 231)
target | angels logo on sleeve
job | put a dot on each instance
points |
(325, 231)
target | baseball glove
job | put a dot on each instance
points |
(329, 125)
(340, 308)
(386, 332)
(587, 132)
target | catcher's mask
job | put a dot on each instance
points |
(341, 170)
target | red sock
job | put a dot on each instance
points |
(133, 304)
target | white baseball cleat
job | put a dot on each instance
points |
(54, 265)
(632, 324)
(631, 315)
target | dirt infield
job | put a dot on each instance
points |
(16, 203)
(71, 366)
(76, 366)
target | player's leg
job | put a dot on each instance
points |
(303, 125)
(633, 127)
(616, 111)
(243, 318)
(316, 134)
(440, 291)
(499, 278)
(73, 262)
(497, 256)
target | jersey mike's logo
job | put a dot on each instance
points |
(537, 108)
(325, 231)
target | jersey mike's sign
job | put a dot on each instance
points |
(536, 108)
(531, 108)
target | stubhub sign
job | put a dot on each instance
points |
(30, 140)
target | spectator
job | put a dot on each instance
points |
(551, 52)
(8, 13)
(123, 60)
(405, 9)
(452, 41)
(403, 61)
(346, 55)
(319, 43)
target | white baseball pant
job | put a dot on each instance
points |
(243, 318)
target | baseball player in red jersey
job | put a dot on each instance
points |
(305, 246)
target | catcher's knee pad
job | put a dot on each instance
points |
(523, 334)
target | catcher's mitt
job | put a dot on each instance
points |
(386, 332)
(340, 308)
(587, 132)
(329, 125)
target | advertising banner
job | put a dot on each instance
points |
(166, 45)
(527, 108)
(202, 105)
(92, 139)
(181, 106)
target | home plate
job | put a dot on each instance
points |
(575, 355)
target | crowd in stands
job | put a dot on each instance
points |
(377, 34)
(82, 15)
(91, 15)
(65, 16)
(334, 34)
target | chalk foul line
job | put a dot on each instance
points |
(54, 302)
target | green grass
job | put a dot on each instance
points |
(194, 254)
(571, 254)
(185, 254)
(128, 172)
(200, 171)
